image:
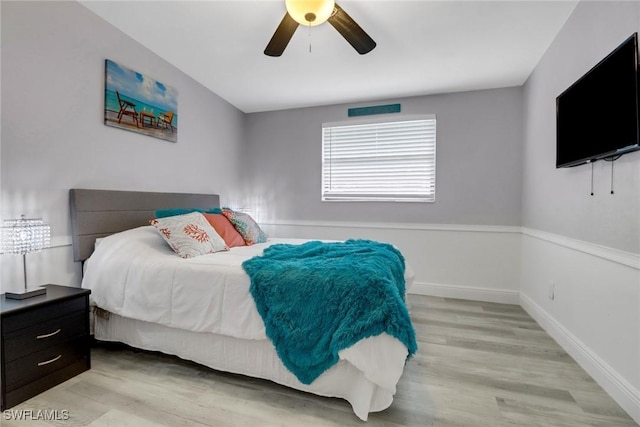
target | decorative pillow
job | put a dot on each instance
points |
(225, 229)
(246, 226)
(164, 213)
(189, 235)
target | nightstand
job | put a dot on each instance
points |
(45, 341)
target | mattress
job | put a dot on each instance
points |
(201, 309)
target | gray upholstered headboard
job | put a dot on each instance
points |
(99, 213)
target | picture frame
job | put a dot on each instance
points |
(136, 102)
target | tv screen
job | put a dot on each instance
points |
(597, 116)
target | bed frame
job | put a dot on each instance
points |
(99, 213)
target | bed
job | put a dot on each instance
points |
(200, 309)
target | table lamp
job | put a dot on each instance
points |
(20, 237)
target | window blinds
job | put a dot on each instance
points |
(391, 161)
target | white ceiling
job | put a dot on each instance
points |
(424, 47)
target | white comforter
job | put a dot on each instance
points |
(135, 274)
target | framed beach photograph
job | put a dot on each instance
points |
(139, 103)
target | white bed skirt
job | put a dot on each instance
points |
(254, 358)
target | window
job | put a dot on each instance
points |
(383, 161)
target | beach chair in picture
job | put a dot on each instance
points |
(127, 109)
(165, 120)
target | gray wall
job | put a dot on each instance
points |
(53, 136)
(479, 157)
(579, 289)
(558, 200)
(54, 139)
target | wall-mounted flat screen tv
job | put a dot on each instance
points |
(597, 116)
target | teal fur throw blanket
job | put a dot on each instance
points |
(319, 298)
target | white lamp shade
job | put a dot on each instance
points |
(25, 235)
(301, 10)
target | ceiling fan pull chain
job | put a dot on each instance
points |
(309, 37)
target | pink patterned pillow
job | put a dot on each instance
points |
(189, 235)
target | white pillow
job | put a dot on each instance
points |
(97, 243)
(189, 235)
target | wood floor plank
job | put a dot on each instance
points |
(478, 364)
(524, 412)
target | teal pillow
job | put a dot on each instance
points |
(164, 213)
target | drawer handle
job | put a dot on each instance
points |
(46, 362)
(39, 337)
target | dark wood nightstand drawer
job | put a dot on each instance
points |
(44, 335)
(19, 395)
(45, 313)
(39, 364)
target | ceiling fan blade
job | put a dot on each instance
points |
(281, 37)
(351, 31)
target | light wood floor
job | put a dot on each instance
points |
(478, 364)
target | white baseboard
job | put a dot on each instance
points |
(627, 396)
(465, 292)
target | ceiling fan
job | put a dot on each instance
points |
(316, 12)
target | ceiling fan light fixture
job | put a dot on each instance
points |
(315, 12)
(310, 12)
